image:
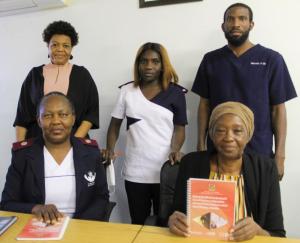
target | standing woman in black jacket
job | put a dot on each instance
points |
(62, 76)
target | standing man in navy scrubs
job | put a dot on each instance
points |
(248, 73)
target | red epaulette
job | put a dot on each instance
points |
(90, 142)
(23, 144)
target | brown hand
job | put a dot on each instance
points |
(280, 165)
(175, 157)
(49, 214)
(178, 224)
(108, 155)
(245, 229)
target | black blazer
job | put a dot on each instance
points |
(262, 192)
(25, 182)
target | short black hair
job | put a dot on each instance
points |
(242, 5)
(54, 93)
(60, 28)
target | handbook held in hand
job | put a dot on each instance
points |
(210, 207)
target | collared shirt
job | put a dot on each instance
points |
(150, 126)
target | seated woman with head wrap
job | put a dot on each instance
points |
(258, 205)
(56, 173)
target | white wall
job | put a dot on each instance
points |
(111, 32)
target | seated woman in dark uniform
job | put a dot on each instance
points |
(56, 173)
(258, 206)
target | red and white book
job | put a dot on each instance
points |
(37, 230)
(210, 207)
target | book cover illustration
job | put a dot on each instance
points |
(6, 222)
(210, 207)
(37, 230)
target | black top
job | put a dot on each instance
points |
(262, 192)
(82, 92)
(25, 179)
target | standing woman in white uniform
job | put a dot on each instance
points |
(155, 109)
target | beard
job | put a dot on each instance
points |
(237, 41)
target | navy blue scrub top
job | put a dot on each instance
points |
(259, 79)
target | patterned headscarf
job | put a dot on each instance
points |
(235, 108)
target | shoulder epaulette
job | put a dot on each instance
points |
(88, 141)
(125, 84)
(184, 90)
(21, 145)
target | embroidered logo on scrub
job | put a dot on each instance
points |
(90, 177)
(258, 63)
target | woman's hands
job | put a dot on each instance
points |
(111, 139)
(178, 224)
(48, 214)
(108, 156)
(175, 157)
(176, 144)
(246, 229)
